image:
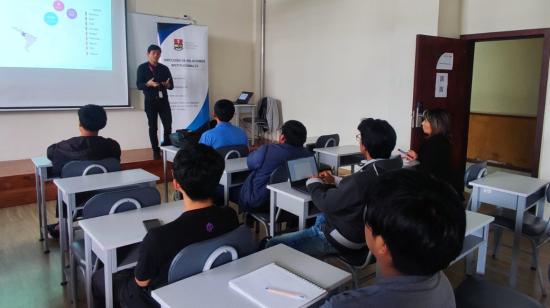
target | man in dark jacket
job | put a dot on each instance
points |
(254, 194)
(88, 146)
(339, 230)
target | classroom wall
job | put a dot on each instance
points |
(332, 63)
(449, 18)
(506, 15)
(232, 69)
(506, 77)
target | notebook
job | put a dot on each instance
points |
(254, 286)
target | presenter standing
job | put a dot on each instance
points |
(154, 79)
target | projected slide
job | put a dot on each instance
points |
(58, 34)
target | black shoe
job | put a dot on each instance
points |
(263, 243)
(53, 230)
(156, 155)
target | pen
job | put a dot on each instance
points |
(286, 293)
(402, 152)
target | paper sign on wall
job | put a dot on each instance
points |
(441, 84)
(445, 62)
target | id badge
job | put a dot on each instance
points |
(160, 95)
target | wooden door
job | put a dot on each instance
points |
(430, 51)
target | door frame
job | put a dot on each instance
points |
(523, 34)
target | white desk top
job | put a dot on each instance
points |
(339, 150)
(104, 180)
(235, 165)
(476, 221)
(211, 288)
(285, 189)
(510, 183)
(121, 229)
(41, 162)
(170, 148)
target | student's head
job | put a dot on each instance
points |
(436, 121)
(414, 224)
(377, 138)
(197, 171)
(153, 53)
(294, 133)
(224, 110)
(91, 119)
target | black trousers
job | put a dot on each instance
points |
(155, 108)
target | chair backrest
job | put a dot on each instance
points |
(120, 200)
(86, 167)
(474, 172)
(233, 151)
(279, 175)
(202, 256)
(326, 141)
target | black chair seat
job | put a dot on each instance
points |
(356, 259)
(532, 225)
(477, 293)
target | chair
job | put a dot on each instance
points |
(205, 255)
(355, 263)
(106, 203)
(86, 167)
(278, 175)
(326, 141)
(534, 228)
(477, 293)
(233, 151)
(474, 172)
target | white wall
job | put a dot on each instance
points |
(232, 69)
(506, 15)
(506, 77)
(332, 63)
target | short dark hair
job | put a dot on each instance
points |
(378, 137)
(153, 47)
(421, 220)
(92, 117)
(224, 110)
(197, 169)
(439, 120)
(295, 133)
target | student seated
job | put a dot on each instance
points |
(254, 195)
(88, 146)
(224, 134)
(339, 230)
(197, 170)
(414, 226)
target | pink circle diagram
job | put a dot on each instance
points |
(71, 13)
(59, 5)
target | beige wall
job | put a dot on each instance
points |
(231, 27)
(506, 15)
(332, 63)
(506, 77)
(449, 18)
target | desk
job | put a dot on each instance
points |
(511, 191)
(211, 288)
(476, 237)
(104, 234)
(41, 165)
(246, 108)
(232, 167)
(339, 156)
(67, 188)
(285, 197)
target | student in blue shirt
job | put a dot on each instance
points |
(224, 134)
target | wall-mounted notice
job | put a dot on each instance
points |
(441, 84)
(445, 62)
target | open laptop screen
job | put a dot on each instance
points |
(303, 168)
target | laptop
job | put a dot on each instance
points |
(300, 170)
(244, 98)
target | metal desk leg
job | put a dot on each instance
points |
(37, 181)
(303, 215)
(272, 203)
(164, 176)
(520, 209)
(475, 199)
(44, 217)
(482, 252)
(226, 186)
(253, 124)
(540, 208)
(88, 257)
(108, 268)
(62, 235)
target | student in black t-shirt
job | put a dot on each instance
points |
(197, 172)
